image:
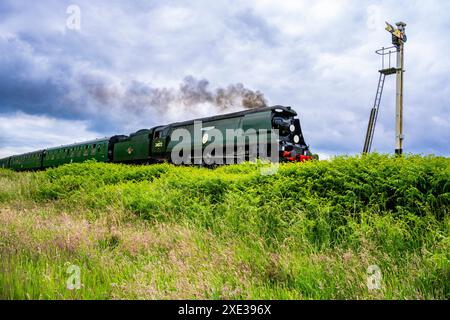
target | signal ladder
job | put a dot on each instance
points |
(376, 105)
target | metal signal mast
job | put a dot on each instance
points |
(398, 41)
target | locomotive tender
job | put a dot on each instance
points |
(156, 144)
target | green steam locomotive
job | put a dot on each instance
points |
(159, 143)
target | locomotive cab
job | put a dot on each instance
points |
(160, 140)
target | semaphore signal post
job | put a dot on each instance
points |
(398, 40)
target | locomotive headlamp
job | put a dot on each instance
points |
(296, 139)
(292, 128)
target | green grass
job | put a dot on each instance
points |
(310, 231)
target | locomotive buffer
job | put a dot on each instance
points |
(398, 41)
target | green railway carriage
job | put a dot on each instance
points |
(27, 161)
(4, 163)
(78, 152)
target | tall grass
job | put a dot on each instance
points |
(308, 232)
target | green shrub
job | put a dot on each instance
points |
(308, 231)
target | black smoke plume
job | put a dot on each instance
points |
(138, 96)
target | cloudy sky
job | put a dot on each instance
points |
(120, 66)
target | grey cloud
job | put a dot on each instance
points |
(254, 27)
(109, 103)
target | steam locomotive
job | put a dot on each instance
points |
(158, 144)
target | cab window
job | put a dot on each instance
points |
(165, 132)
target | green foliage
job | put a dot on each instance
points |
(308, 231)
(66, 181)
